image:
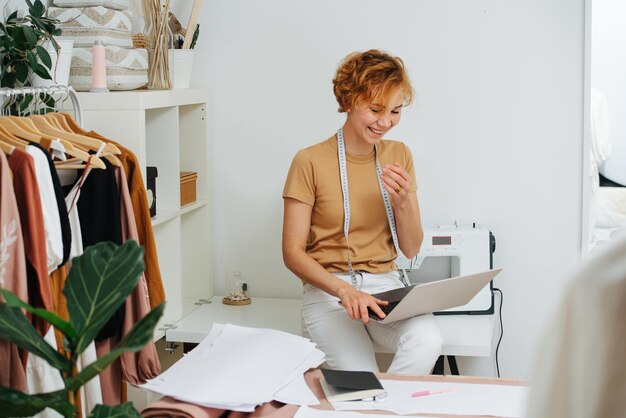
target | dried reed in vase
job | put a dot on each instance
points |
(158, 43)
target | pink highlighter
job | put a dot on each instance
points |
(432, 392)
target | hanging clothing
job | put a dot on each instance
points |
(143, 221)
(91, 392)
(144, 364)
(43, 378)
(66, 232)
(49, 208)
(134, 368)
(31, 220)
(50, 236)
(142, 214)
(77, 236)
(111, 377)
(99, 212)
(12, 273)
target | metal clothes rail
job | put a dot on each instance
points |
(65, 91)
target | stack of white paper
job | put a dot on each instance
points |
(238, 368)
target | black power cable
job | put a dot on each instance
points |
(495, 289)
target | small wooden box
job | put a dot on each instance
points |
(187, 187)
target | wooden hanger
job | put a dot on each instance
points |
(6, 147)
(59, 122)
(8, 141)
(43, 124)
(74, 126)
(62, 122)
(62, 119)
(28, 126)
(25, 129)
(14, 128)
(9, 138)
(54, 123)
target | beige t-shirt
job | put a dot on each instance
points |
(315, 180)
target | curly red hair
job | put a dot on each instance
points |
(363, 77)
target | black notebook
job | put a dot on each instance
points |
(343, 385)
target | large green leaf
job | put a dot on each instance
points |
(135, 340)
(32, 58)
(17, 34)
(25, 102)
(6, 42)
(44, 56)
(7, 80)
(98, 283)
(64, 326)
(125, 410)
(16, 328)
(42, 72)
(31, 36)
(17, 404)
(37, 9)
(21, 71)
(47, 99)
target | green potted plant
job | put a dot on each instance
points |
(22, 50)
(98, 283)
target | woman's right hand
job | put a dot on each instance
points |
(356, 303)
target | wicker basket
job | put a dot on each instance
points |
(140, 41)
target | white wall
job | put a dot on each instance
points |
(496, 131)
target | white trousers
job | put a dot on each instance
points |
(348, 343)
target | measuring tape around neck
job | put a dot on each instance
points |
(343, 172)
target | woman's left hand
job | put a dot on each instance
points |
(397, 182)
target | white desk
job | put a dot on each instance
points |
(280, 314)
(465, 335)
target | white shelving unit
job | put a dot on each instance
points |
(167, 129)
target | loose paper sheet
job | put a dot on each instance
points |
(238, 368)
(469, 399)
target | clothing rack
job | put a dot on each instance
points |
(65, 91)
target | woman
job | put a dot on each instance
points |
(339, 225)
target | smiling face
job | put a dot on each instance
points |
(367, 123)
(371, 87)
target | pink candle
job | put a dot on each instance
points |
(98, 68)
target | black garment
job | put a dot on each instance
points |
(66, 230)
(100, 220)
(606, 182)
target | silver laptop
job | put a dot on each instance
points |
(419, 299)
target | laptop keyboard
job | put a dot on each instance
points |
(385, 309)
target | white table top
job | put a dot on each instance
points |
(280, 314)
(465, 335)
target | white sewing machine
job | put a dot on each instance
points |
(449, 251)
